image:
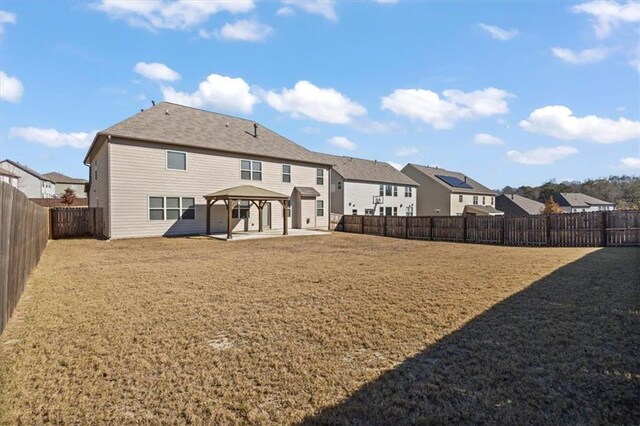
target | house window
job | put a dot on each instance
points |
(382, 190)
(395, 191)
(409, 211)
(172, 208)
(251, 170)
(354, 212)
(368, 212)
(95, 170)
(408, 191)
(475, 199)
(388, 211)
(339, 185)
(491, 200)
(395, 211)
(319, 207)
(176, 160)
(484, 203)
(242, 210)
(320, 176)
(286, 173)
(381, 211)
(460, 198)
(388, 190)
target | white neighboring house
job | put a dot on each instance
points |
(30, 182)
(63, 182)
(575, 202)
(8, 177)
(151, 172)
(369, 187)
(446, 193)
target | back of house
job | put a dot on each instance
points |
(575, 202)
(517, 205)
(27, 180)
(150, 174)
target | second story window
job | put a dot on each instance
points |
(475, 200)
(339, 185)
(286, 173)
(395, 191)
(388, 191)
(250, 170)
(176, 160)
(320, 176)
(461, 198)
(95, 170)
(408, 191)
(484, 201)
(382, 190)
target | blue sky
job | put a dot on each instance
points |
(510, 94)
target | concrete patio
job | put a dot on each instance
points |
(271, 233)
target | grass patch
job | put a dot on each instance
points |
(332, 329)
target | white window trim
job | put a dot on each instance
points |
(251, 171)
(320, 176)
(290, 173)
(166, 160)
(164, 208)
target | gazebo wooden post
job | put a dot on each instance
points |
(260, 205)
(208, 216)
(230, 206)
(285, 205)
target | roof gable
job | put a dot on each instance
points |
(577, 199)
(185, 126)
(60, 178)
(528, 205)
(352, 168)
(26, 169)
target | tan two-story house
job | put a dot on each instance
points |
(151, 173)
(447, 193)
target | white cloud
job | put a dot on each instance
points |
(487, 139)
(396, 165)
(499, 33)
(246, 30)
(6, 18)
(558, 121)
(324, 8)
(285, 11)
(156, 71)
(541, 156)
(406, 151)
(163, 14)
(320, 104)
(587, 56)
(218, 91)
(11, 88)
(445, 112)
(607, 15)
(630, 162)
(52, 138)
(342, 143)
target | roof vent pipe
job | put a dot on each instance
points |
(255, 130)
(153, 103)
(465, 179)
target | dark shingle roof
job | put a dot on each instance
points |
(528, 205)
(351, 168)
(26, 169)
(60, 178)
(576, 199)
(476, 187)
(175, 124)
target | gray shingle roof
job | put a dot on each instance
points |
(528, 205)
(482, 210)
(576, 199)
(307, 191)
(175, 124)
(26, 169)
(60, 178)
(247, 192)
(477, 188)
(351, 168)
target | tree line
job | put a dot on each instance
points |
(623, 190)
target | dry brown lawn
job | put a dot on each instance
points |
(339, 329)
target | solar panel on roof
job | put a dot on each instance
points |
(454, 181)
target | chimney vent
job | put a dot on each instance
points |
(226, 124)
(465, 179)
(255, 130)
(153, 103)
(166, 112)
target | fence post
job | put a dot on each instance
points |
(464, 229)
(548, 229)
(362, 223)
(503, 237)
(384, 227)
(406, 227)
(604, 229)
(430, 228)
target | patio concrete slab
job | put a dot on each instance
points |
(271, 233)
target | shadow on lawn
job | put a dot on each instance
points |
(564, 350)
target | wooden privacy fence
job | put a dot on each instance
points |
(589, 229)
(74, 222)
(23, 237)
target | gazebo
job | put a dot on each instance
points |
(257, 196)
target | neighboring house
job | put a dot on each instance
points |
(472, 210)
(574, 202)
(151, 172)
(63, 182)
(446, 193)
(8, 177)
(517, 205)
(367, 187)
(30, 182)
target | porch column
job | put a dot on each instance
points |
(260, 205)
(230, 206)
